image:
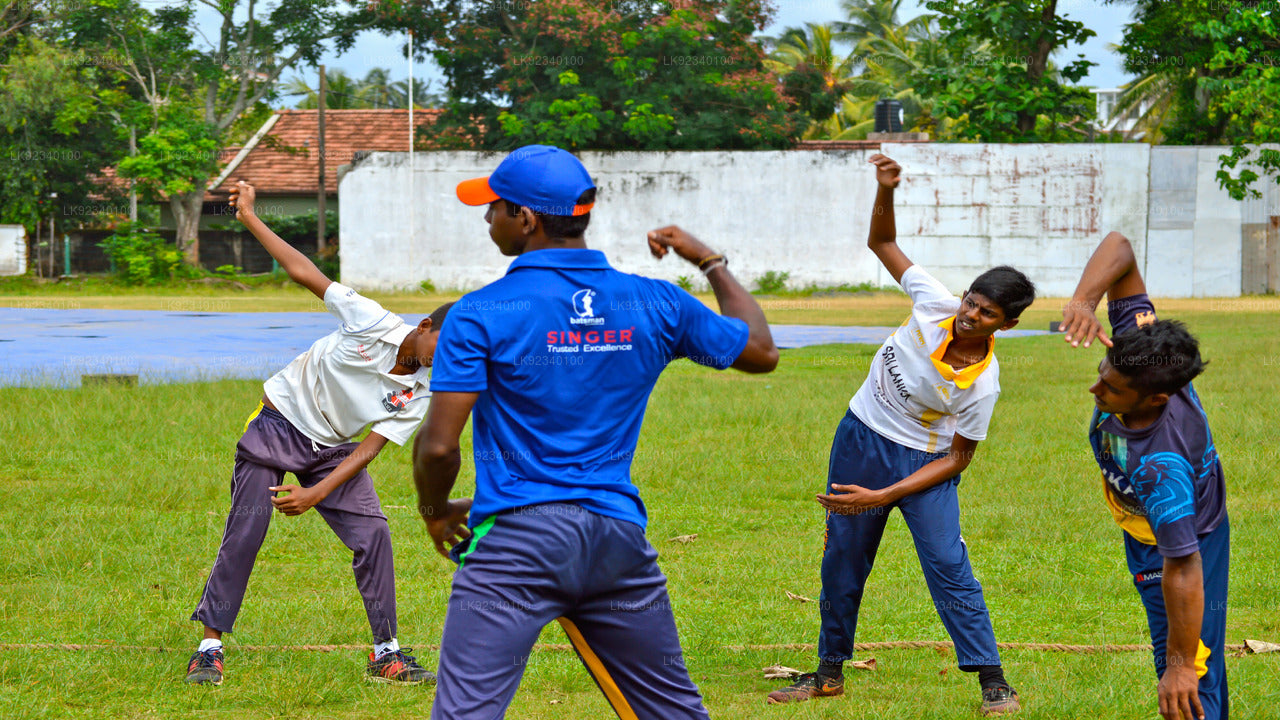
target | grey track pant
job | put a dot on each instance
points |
(271, 446)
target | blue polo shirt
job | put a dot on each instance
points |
(564, 351)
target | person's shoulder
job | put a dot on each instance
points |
(987, 382)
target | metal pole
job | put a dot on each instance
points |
(66, 254)
(320, 193)
(133, 191)
(412, 180)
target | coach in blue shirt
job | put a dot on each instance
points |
(555, 363)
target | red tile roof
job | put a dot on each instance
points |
(283, 162)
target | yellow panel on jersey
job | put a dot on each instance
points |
(1136, 525)
(598, 671)
(965, 377)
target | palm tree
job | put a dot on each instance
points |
(866, 18)
(341, 93)
(812, 72)
(1148, 99)
(890, 60)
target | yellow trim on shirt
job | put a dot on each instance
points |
(964, 378)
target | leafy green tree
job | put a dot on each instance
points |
(630, 74)
(1244, 91)
(54, 123)
(181, 76)
(1162, 48)
(999, 85)
(1207, 74)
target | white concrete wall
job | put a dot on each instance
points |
(960, 209)
(13, 250)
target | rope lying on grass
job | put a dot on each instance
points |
(565, 647)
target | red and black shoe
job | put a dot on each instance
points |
(398, 667)
(808, 685)
(205, 668)
(999, 700)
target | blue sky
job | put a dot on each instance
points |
(373, 50)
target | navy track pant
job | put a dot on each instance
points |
(860, 456)
(1147, 567)
(599, 577)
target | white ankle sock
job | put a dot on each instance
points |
(381, 649)
(209, 644)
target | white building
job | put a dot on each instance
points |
(1106, 101)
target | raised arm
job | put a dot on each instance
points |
(299, 267)
(1111, 271)
(760, 355)
(883, 237)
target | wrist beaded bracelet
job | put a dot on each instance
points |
(706, 263)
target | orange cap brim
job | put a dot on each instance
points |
(476, 192)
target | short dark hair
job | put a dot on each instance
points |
(1158, 358)
(437, 316)
(1007, 287)
(562, 226)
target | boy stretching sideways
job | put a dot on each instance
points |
(371, 372)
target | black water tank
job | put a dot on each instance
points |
(888, 116)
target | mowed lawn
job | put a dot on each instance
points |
(114, 500)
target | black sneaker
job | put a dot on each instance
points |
(999, 700)
(398, 668)
(808, 685)
(205, 668)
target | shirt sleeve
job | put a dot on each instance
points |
(461, 362)
(924, 288)
(973, 421)
(1164, 486)
(1127, 313)
(360, 316)
(400, 427)
(705, 336)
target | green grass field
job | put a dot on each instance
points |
(114, 501)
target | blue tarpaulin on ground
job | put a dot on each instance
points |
(55, 347)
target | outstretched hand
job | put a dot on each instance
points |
(242, 197)
(674, 239)
(1080, 323)
(888, 172)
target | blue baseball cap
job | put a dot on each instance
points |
(543, 178)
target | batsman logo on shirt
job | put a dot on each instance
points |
(395, 401)
(584, 309)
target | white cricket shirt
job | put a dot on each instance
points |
(343, 382)
(913, 398)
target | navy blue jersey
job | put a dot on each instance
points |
(1164, 482)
